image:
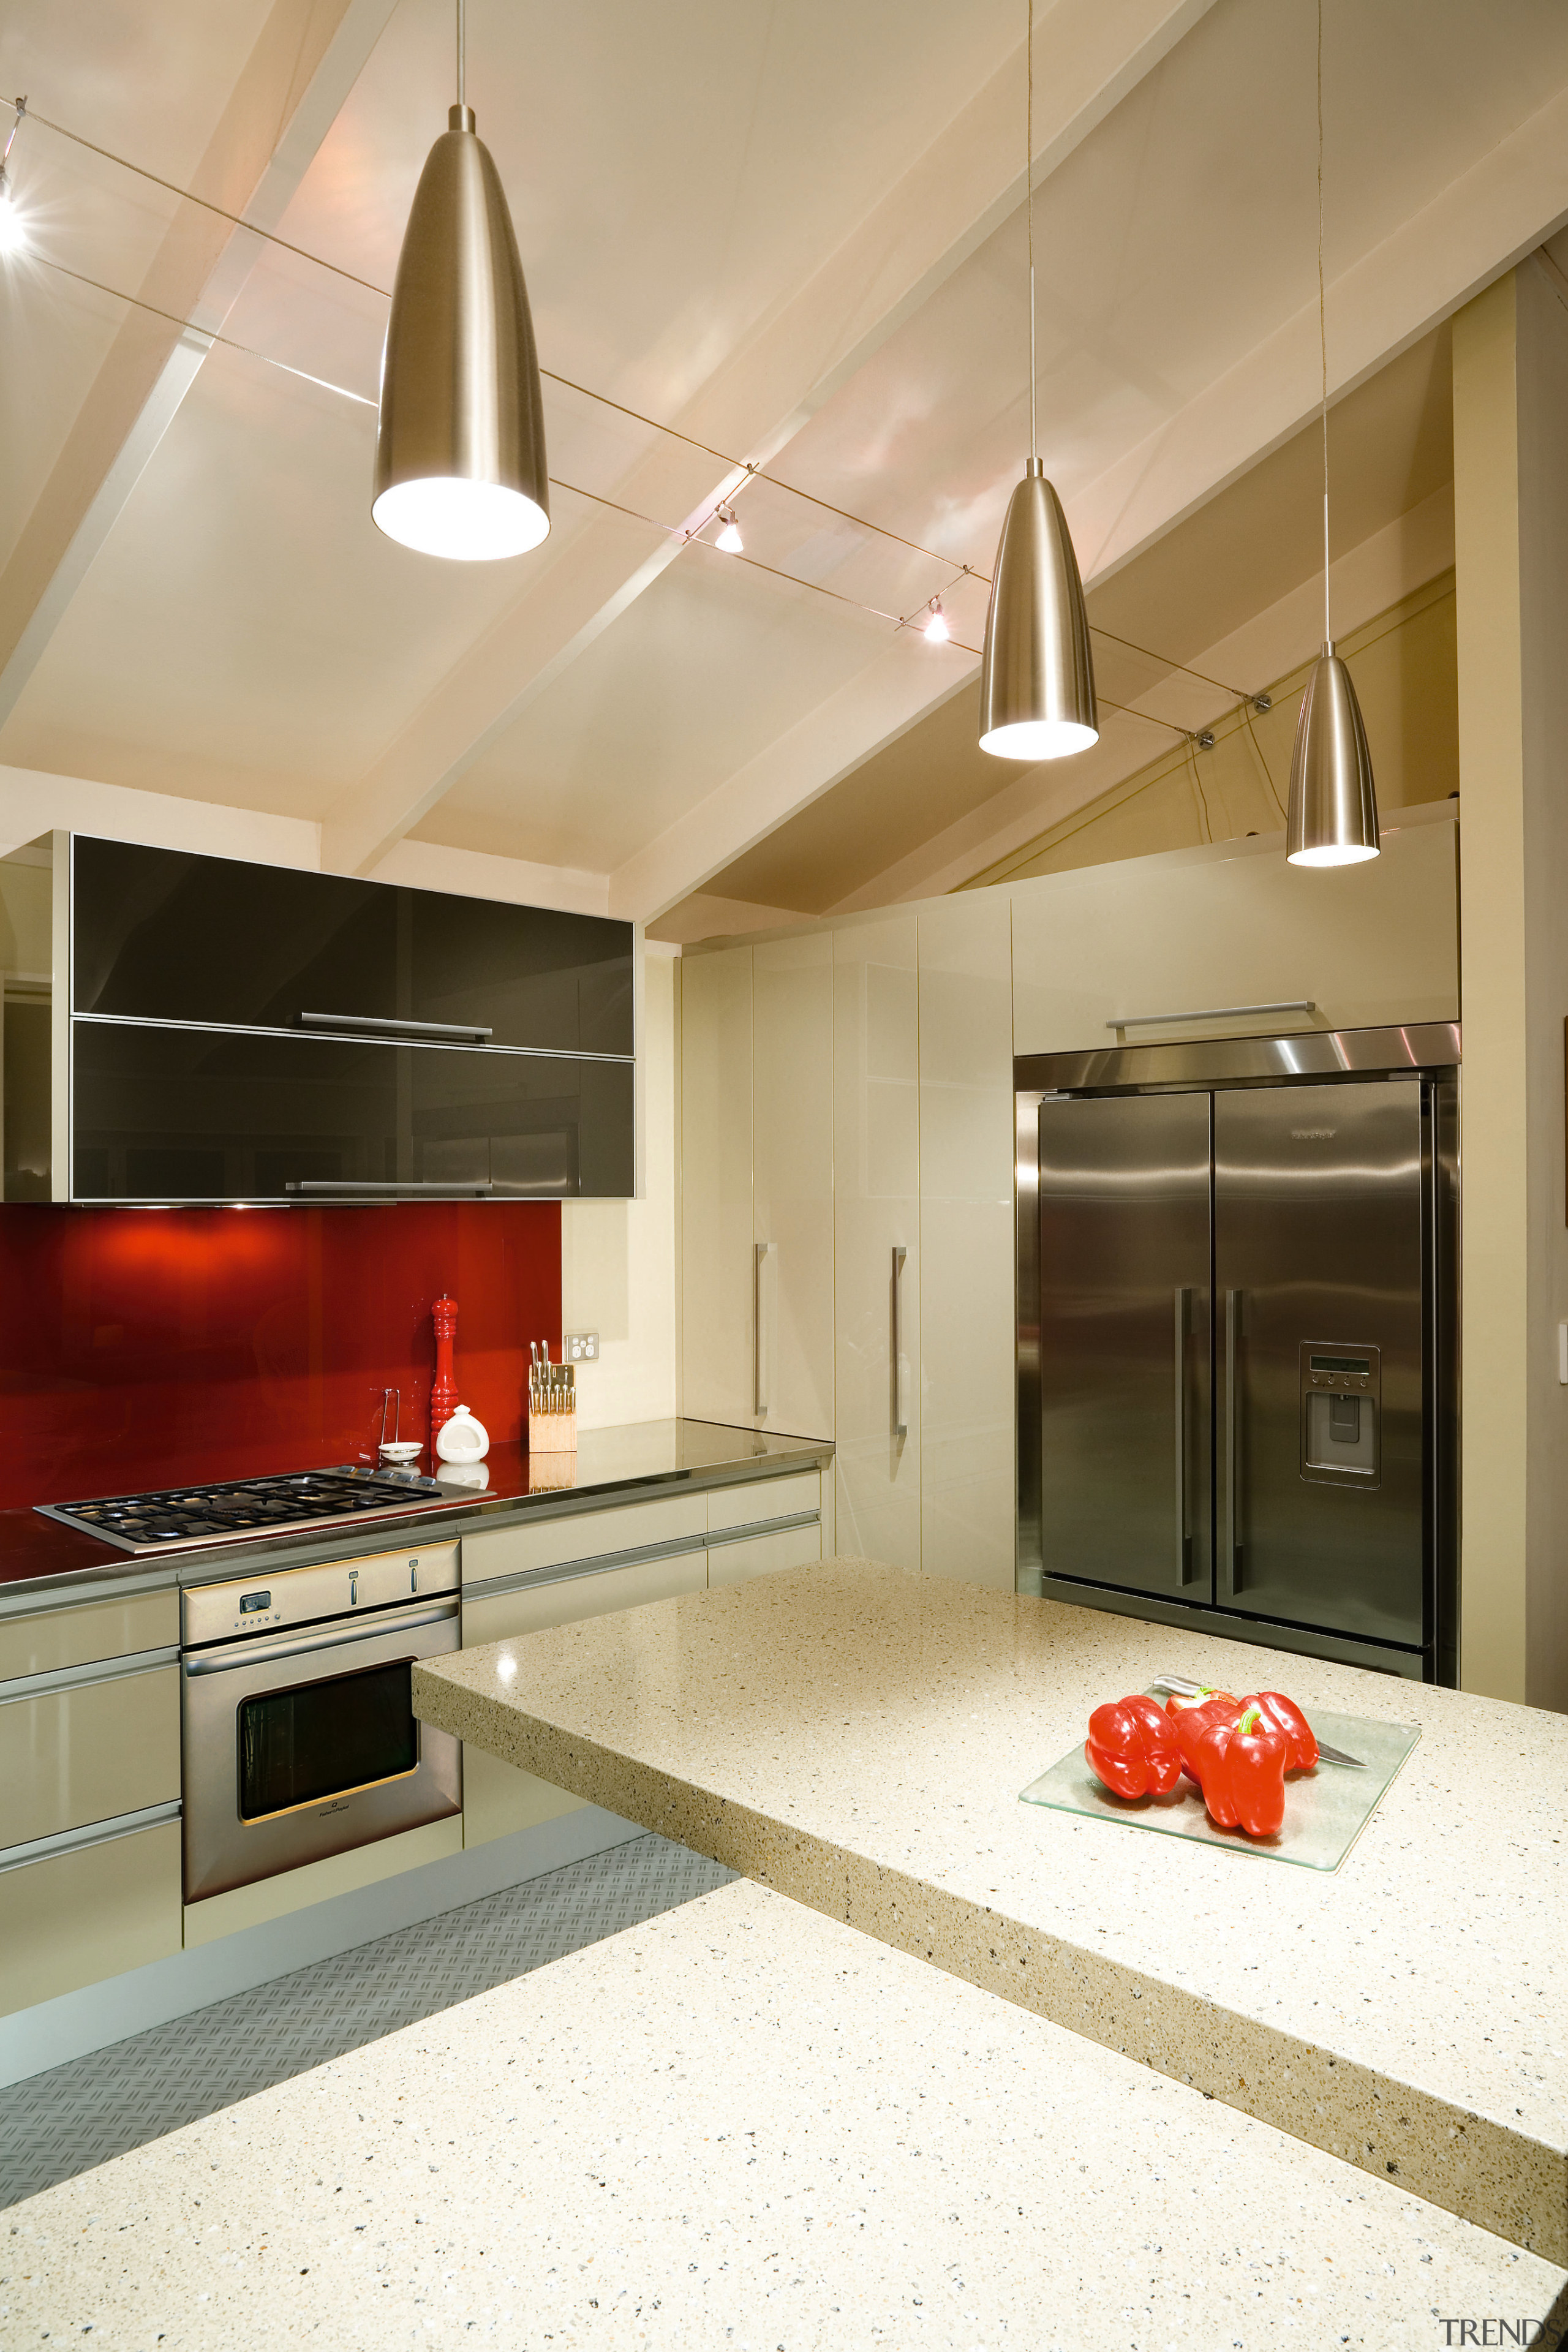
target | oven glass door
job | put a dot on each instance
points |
(324, 1738)
(305, 1744)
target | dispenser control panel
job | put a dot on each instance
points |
(1342, 1413)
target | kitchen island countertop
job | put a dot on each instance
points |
(856, 1736)
(743, 2123)
(40, 1557)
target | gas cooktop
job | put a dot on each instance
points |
(241, 1510)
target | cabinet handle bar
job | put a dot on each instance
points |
(373, 1024)
(1207, 1013)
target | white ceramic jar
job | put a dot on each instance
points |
(462, 1438)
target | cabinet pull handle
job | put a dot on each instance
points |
(371, 1024)
(1208, 1012)
(1230, 1469)
(1183, 1304)
(763, 1323)
(480, 1188)
(901, 1361)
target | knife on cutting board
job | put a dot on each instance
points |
(1180, 1688)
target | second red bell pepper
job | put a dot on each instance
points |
(1241, 1768)
(1190, 1717)
(1131, 1747)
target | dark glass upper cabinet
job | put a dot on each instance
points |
(201, 1115)
(164, 935)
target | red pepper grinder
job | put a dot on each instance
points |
(443, 1388)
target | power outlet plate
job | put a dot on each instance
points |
(580, 1348)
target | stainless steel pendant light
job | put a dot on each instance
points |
(1036, 674)
(460, 456)
(1332, 818)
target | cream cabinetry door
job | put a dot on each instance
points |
(792, 1126)
(80, 1916)
(876, 1141)
(89, 1752)
(581, 1536)
(967, 1330)
(1366, 945)
(44, 1641)
(717, 1255)
(497, 1797)
(763, 1555)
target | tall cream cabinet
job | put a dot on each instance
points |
(877, 1238)
(717, 1353)
(870, 1065)
(967, 1316)
(757, 1186)
(792, 1203)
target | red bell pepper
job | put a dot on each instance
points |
(1190, 1717)
(1282, 1715)
(1241, 1767)
(1131, 1747)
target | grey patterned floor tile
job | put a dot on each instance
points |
(62, 2122)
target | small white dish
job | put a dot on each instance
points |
(403, 1449)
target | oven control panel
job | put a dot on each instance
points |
(266, 1602)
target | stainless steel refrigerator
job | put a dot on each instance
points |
(1236, 1337)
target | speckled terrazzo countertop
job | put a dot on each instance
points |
(743, 2125)
(855, 1736)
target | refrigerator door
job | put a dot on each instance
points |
(1317, 1345)
(1125, 1342)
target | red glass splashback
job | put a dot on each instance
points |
(145, 1348)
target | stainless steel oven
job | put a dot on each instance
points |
(298, 1733)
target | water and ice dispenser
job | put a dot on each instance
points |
(1341, 1413)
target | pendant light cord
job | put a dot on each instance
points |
(1323, 332)
(1029, 210)
(462, 45)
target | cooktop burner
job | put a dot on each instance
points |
(241, 1510)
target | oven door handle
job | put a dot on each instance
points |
(244, 1653)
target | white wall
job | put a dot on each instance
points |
(618, 1260)
(1510, 507)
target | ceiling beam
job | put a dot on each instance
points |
(306, 59)
(1481, 225)
(793, 358)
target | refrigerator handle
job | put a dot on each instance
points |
(901, 1365)
(1183, 1534)
(1230, 1534)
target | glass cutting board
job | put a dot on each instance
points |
(1325, 1810)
